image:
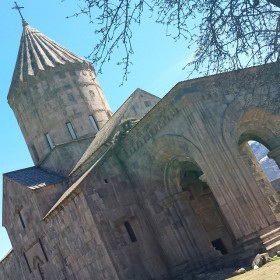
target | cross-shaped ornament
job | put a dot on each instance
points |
(17, 7)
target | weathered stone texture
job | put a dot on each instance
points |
(71, 98)
(68, 91)
(164, 187)
(74, 246)
(9, 267)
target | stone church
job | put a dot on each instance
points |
(157, 190)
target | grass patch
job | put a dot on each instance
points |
(269, 271)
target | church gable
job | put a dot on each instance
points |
(136, 106)
(26, 190)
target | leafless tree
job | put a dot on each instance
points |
(226, 35)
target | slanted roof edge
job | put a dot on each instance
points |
(75, 185)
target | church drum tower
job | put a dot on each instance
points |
(57, 100)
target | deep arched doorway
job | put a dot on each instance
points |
(205, 207)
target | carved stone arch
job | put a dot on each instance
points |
(178, 165)
(172, 173)
(255, 122)
(257, 131)
(169, 151)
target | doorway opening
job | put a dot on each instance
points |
(263, 169)
(205, 207)
(268, 165)
(219, 245)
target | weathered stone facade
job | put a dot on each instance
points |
(164, 187)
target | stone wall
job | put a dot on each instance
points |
(133, 216)
(101, 230)
(276, 184)
(114, 204)
(23, 212)
(10, 268)
(73, 245)
(203, 121)
(60, 95)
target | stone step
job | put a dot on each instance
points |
(272, 240)
(273, 248)
(270, 235)
(222, 265)
(264, 233)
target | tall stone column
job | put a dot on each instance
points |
(275, 154)
(267, 189)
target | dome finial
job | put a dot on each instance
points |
(17, 7)
(24, 22)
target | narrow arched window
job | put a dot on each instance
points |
(49, 140)
(71, 131)
(20, 217)
(130, 232)
(93, 122)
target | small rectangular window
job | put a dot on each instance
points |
(130, 232)
(21, 219)
(93, 122)
(28, 265)
(50, 141)
(148, 103)
(71, 130)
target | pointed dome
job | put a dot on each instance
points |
(38, 52)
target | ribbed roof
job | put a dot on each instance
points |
(37, 52)
(34, 177)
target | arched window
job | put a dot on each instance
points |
(130, 231)
(268, 165)
(263, 169)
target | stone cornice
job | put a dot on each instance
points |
(218, 88)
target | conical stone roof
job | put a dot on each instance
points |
(37, 52)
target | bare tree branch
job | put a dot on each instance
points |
(227, 35)
(274, 2)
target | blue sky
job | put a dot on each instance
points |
(157, 67)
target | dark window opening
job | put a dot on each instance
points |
(29, 268)
(92, 92)
(219, 245)
(130, 232)
(21, 219)
(148, 103)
